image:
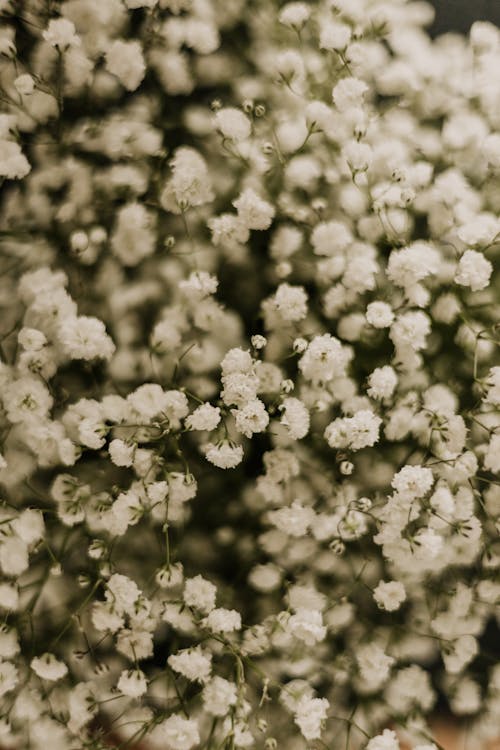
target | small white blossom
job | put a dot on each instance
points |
(251, 417)
(385, 741)
(125, 60)
(204, 417)
(474, 270)
(61, 33)
(389, 595)
(189, 185)
(219, 695)
(349, 92)
(224, 455)
(223, 620)
(379, 314)
(48, 667)
(13, 163)
(382, 382)
(132, 683)
(359, 431)
(84, 337)
(295, 416)
(310, 713)
(192, 663)
(233, 124)
(179, 733)
(294, 14)
(199, 593)
(254, 212)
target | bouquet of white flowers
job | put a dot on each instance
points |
(250, 385)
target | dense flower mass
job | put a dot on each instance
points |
(249, 403)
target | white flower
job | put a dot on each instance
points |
(236, 361)
(295, 416)
(331, 238)
(125, 60)
(411, 329)
(105, 619)
(149, 400)
(171, 576)
(29, 526)
(309, 716)
(179, 733)
(410, 688)
(133, 4)
(359, 431)
(265, 577)
(182, 487)
(307, 626)
(48, 667)
(204, 417)
(289, 66)
(122, 593)
(348, 93)
(324, 359)
(461, 652)
(335, 36)
(26, 399)
(190, 183)
(357, 155)
(294, 14)
(382, 382)
(484, 36)
(389, 595)
(9, 597)
(291, 302)
(31, 339)
(254, 212)
(24, 84)
(233, 123)
(258, 341)
(121, 453)
(199, 285)
(219, 695)
(84, 337)
(228, 230)
(132, 683)
(294, 520)
(480, 230)
(199, 593)
(474, 270)
(412, 482)
(133, 237)
(224, 455)
(430, 543)
(251, 417)
(386, 741)
(492, 381)
(13, 164)
(223, 620)
(9, 677)
(192, 663)
(379, 314)
(61, 33)
(374, 664)
(412, 264)
(165, 336)
(492, 455)
(467, 698)
(9, 643)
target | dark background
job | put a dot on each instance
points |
(459, 15)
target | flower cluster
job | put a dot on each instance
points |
(249, 403)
